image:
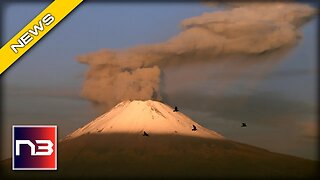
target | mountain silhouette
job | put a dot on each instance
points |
(111, 146)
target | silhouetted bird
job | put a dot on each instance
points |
(244, 125)
(194, 128)
(175, 109)
(145, 134)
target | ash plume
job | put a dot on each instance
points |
(240, 29)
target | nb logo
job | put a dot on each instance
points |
(46, 145)
(34, 147)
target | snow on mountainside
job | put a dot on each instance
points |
(135, 117)
(113, 146)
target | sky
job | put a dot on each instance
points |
(278, 105)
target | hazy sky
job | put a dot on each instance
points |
(276, 98)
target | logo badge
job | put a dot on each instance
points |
(34, 147)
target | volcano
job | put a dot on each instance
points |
(136, 117)
(148, 139)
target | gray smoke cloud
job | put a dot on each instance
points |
(240, 29)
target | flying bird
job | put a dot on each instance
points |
(194, 128)
(145, 134)
(244, 125)
(175, 109)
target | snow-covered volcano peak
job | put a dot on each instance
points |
(144, 118)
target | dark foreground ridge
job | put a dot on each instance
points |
(131, 155)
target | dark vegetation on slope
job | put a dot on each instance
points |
(132, 155)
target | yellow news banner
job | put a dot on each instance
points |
(34, 31)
